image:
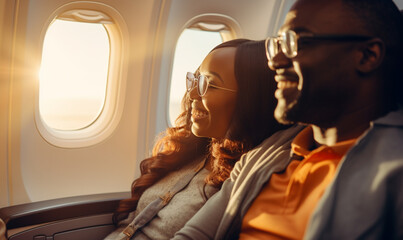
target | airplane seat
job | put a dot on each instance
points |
(79, 218)
(2, 230)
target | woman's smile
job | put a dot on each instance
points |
(198, 114)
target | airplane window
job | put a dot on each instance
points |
(73, 75)
(192, 47)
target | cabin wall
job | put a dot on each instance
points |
(6, 29)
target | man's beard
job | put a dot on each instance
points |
(289, 113)
(320, 110)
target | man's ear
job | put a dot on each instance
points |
(371, 55)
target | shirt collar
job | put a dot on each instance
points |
(304, 144)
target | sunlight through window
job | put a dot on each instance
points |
(191, 49)
(73, 75)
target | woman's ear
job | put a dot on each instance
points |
(371, 55)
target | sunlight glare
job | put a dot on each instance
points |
(73, 74)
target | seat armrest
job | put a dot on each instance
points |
(59, 209)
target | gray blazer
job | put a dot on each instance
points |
(364, 201)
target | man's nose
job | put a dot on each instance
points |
(280, 60)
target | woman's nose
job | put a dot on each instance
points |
(193, 93)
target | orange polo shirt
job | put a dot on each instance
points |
(286, 202)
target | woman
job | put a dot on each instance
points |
(227, 111)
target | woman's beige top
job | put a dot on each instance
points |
(179, 210)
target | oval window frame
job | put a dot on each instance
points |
(111, 113)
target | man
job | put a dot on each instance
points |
(337, 65)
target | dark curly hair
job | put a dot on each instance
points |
(253, 121)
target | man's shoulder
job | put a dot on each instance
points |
(387, 131)
(383, 142)
(392, 119)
